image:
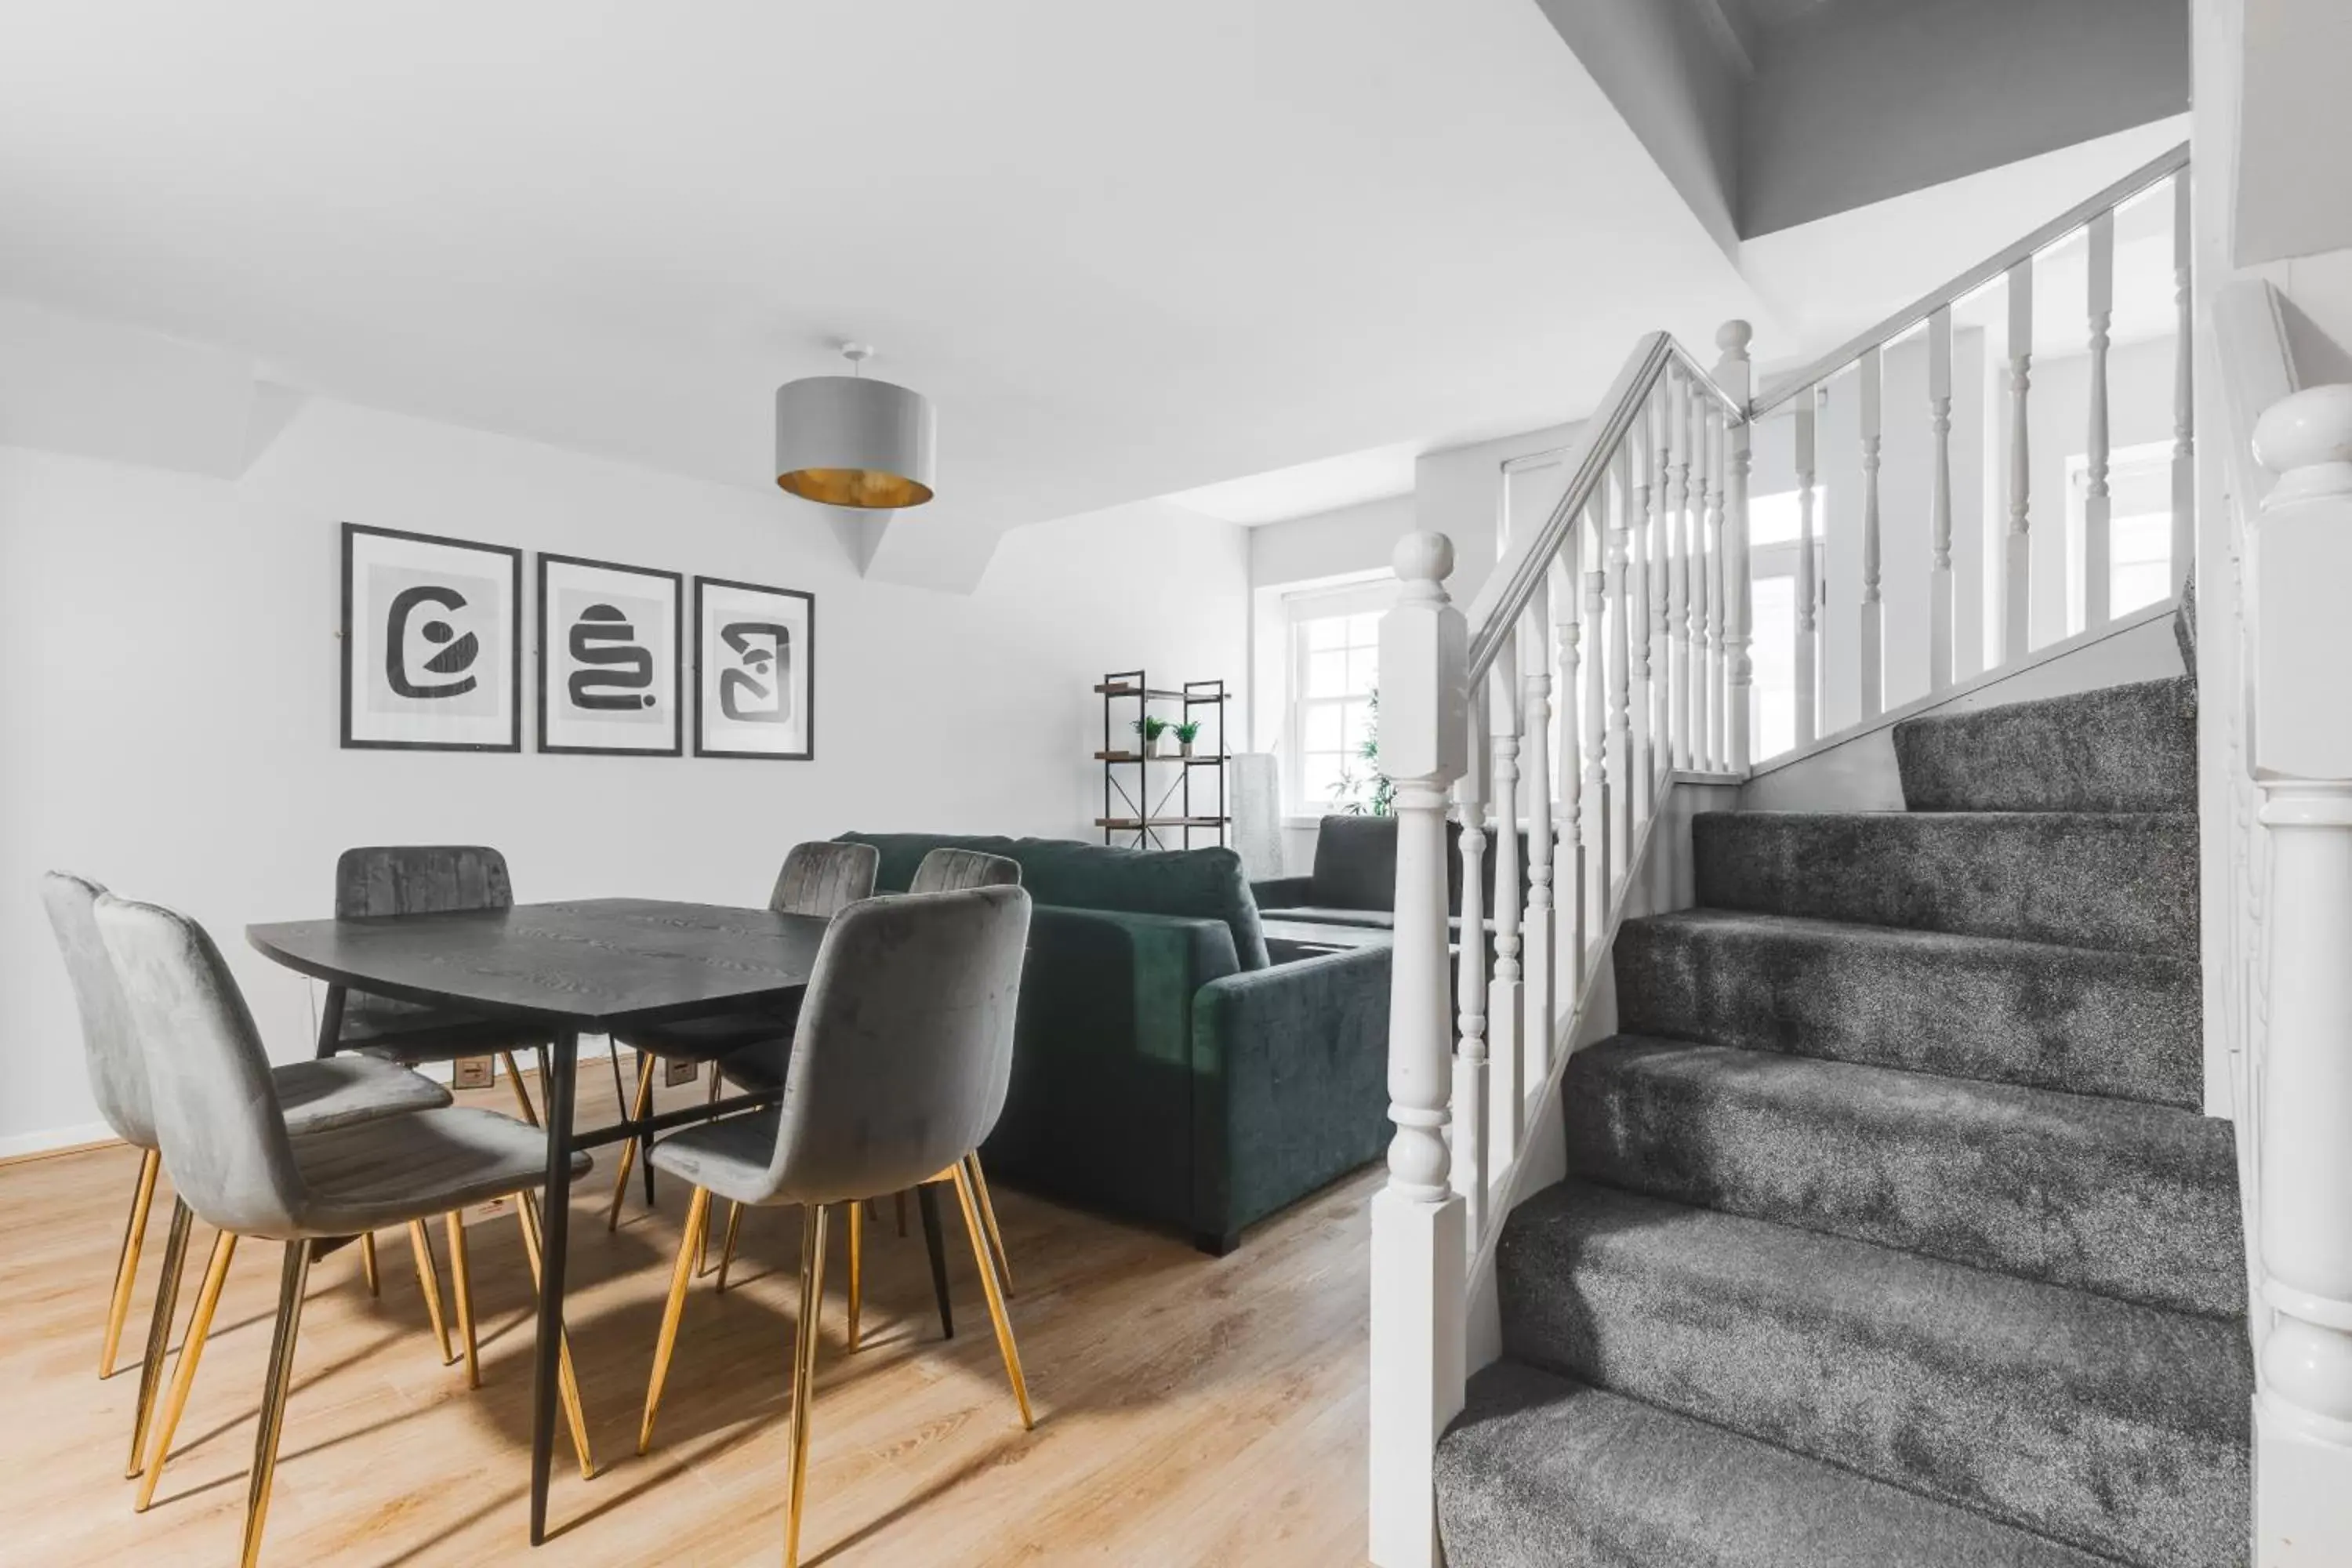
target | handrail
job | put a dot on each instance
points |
(1512, 585)
(2154, 171)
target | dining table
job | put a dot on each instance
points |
(578, 967)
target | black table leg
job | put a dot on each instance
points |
(927, 1198)
(331, 1022)
(556, 1092)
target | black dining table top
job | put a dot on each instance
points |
(584, 964)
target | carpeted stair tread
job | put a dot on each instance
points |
(2138, 1202)
(2085, 1020)
(2126, 881)
(2115, 1428)
(1540, 1471)
(2123, 748)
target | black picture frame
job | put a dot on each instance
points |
(702, 748)
(354, 532)
(675, 584)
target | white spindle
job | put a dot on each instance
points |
(1594, 881)
(2017, 560)
(1711, 545)
(1419, 1236)
(1659, 581)
(1538, 942)
(1622, 789)
(2097, 553)
(1872, 656)
(1808, 679)
(2184, 394)
(1473, 1151)
(2303, 764)
(1735, 373)
(1939, 501)
(1506, 998)
(1678, 612)
(1568, 913)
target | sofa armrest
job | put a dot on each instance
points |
(1099, 1108)
(1281, 892)
(1290, 1083)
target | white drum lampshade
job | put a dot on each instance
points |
(848, 441)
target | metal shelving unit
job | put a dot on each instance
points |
(1161, 803)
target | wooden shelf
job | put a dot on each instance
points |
(1160, 694)
(1138, 823)
(1205, 759)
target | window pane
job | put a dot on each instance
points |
(1320, 773)
(1360, 716)
(1363, 631)
(1775, 658)
(1320, 729)
(1364, 668)
(1326, 674)
(1329, 631)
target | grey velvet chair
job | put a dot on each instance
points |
(899, 1067)
(819, 879)
(948, 871)
(313, 1095)
(231, 1156)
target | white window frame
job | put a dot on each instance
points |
(2145, 459)
(1371, 593)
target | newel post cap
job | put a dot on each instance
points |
(2306, 440)
(1425, 668)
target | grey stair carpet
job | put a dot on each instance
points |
(2128, 748)
(1546, 1472)
(1892, 1232)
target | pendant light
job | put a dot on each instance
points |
(848, 441)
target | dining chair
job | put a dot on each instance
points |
(232, 1157)
(899, 1066)
(819, 879)
(313, 1095)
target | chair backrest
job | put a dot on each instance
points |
(217, 1114)
(947, 871)
(824, 879)
(414, 880)
(118, 1077)
(904, 1050)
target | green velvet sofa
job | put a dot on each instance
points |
(1165, 1069)
(1353, 881)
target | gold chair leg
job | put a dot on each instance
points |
(697, 1220)
(726, 1252)
(804, 1343)
(1011, 1353)
(856, 1267)
(292, 1283)
(126, 1265)
(367, 1264)
(429, 1281)
(988, 1217)
(514, 1080)
(184, 1377)
(461, 1285)
(574, 1412)
(158, 1332)
(638, 1108)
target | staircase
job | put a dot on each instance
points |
(1892, 1232)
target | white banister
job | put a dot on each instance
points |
(2017, 560)
(1939, 501)
(1736, 373)
(1659, 584)
(1418, 1240)
(2303, 764)
(1539, 946)
(1678, 612)
(2096, 551)
(1809, 592)
(1624, 790)
(1593, 882)
(1473, 1150)
(1711, 722)
(1872, 656)
(2184, 391)
(1568, 908)
(1506, 997)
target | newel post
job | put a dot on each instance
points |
(1736, 373)
(1419, 1236)
(2303, 764)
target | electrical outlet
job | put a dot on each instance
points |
(475, 1072)
(681, 1070)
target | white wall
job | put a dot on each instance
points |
(1349, 539)
(171, 711)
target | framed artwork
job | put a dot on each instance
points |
(754, 682)
(611, 647)
(432, 642)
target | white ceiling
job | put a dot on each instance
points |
(1128, 249)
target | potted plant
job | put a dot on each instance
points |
(1157, 740)
(1186, 733)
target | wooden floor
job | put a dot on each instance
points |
(1190, 1410)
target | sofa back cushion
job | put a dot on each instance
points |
(1355, 866)
(1206, 884)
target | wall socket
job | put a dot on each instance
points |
(680, 1070)
(473, 1072)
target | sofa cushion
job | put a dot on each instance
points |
(1355, 869)
(1205, 884)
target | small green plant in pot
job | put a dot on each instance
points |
(1186, 733)
(1157, 737)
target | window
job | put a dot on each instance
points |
(1334, 669)
(1773, 524)
(2139, 529)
